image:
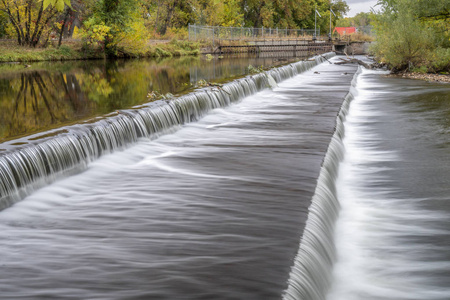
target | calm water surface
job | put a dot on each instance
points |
(51, 94)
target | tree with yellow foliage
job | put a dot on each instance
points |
(115, 27)
(29, 19)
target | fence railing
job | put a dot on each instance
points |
(215, 33)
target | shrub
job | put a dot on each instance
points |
(421, 69)
(440, 60)
(403, 43)
(95, 34)
(133, 42)
(177, 33)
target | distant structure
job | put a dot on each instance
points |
(344, 30)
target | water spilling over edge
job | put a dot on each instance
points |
(310, 276)
(34, 165)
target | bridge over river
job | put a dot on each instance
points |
(311, 181)
(293, 47)
(273, 41)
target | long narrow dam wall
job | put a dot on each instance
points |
(214, 210)
(43, 160)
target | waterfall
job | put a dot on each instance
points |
(311, 273)
(41, 161)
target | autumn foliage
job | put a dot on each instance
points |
(414, 35)
(123, 27)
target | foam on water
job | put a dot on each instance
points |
(214, 210)
(24, 169)
(390, 242)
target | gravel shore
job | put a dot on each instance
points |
(425, 76)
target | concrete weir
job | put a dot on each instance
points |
(214, 208)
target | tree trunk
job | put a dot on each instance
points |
(13, 22)
(38, 37)
(22, 36)
(170, 10)
(66, 16)
(74, 16)
(28, 22)
(33, 40)
(157, 16)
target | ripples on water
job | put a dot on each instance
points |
(212, 211)
(215, 210)
(393, 232)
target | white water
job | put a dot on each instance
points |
(392, 234)
(45, 157)
(213, 210)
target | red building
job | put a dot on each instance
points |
(345, 30)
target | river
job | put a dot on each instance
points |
(393, 232)
(49, 95)
(218, 208)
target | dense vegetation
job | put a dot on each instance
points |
(411, 34)
(362, 21)
(173, 14)
(414, 35)
(123, 27)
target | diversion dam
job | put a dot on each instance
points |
(228, 193)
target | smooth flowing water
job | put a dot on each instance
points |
(214, 210)
(219, 207)
(393, 231)
(48, 95)
(378, 226)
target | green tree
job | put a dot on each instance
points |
(413, 34)
(116, 25)
(3, 23)
(405, 43)
(31, 19)
(360, 19)
(163, 15)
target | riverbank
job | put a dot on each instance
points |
(73, 50)
(442, 78)
(11, 52)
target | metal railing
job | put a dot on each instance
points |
(215, 33)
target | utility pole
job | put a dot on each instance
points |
(331, 12)
(315, 23)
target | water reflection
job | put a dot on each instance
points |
(51, 94)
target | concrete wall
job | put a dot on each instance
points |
(358, 48)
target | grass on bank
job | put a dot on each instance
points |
(173, 48)
(11, 52)
(74, 50)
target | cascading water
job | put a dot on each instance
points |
(310, 276)
(22, 170)
(216, 209)
(378, 223)
(392, 233)
(213, 210)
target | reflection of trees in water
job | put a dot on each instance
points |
(32, 101)
(236, 65)
(40, 99)
(56, 94)
(74, 94)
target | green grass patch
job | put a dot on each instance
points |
(11, 52)
(174, 48)
(421, 70)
